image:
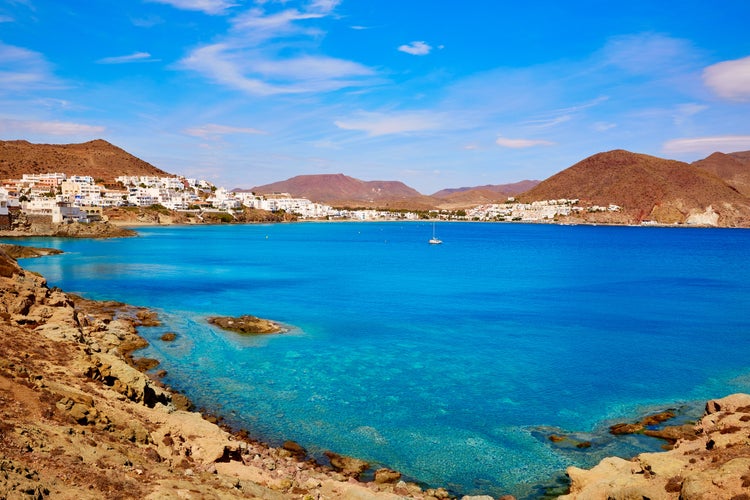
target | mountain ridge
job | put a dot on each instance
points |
(714, 190)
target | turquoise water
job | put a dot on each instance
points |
(450, 363)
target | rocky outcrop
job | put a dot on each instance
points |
(713, 465)
(78, 420)
(246, 324)
(72, 230)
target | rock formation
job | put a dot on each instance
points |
(713, 465)
(246, 324)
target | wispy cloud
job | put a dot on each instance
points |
(211, 7)
(548, 122)
(604, 126)
(254, 72)
(132, 58)
(418, 48)
(683, 112)
(729, 79)
(48, 127)
(22, 69)
(250, 59)
(708, 145)
(521, 143)
(6, 19)
(377, 124)
(214, 130)
(648, 53)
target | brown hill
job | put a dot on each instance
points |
(97, 158)
(647, 187)
(732, 168)
(342, 190)
(501, 189)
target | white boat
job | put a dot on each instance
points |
(434, 240)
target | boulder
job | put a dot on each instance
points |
(347, 466)
(387, 476)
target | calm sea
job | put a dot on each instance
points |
(450, 363)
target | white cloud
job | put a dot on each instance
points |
(48, 128)
(22, 69)
(708, 145)
(6, 19)
(416, 48)
(548, 122)
(136, 57)
(604, 126)
(212, 7)
(648, 53)
(377, 124)
(274, 54)
(254, 72)
(521, 143)
(683, 112)
(213, 130)
(729, 79)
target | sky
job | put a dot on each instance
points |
(433, 94)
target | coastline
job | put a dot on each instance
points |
(80, 421)
(622, 472)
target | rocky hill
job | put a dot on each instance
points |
(98, 158)
(342, 190)
(733, 168)
(504, 190)
(647, 188)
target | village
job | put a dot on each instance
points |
(78, 198)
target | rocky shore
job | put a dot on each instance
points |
(66, 230)
(708, 461)
(79, 421)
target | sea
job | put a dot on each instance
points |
(450, 363)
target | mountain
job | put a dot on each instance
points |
(501, 189)
(342, 190)
(733, 168)
(647, 188)
(98, 158)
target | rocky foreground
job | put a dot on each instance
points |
(710, 463)
(79, 421)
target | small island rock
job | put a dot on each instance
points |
(246, 324)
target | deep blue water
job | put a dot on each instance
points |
(450, 363)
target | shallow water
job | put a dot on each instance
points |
(450, 363)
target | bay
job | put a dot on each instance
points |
(451, 363)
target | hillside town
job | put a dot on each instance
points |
(61, 198)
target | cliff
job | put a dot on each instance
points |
(79, 421)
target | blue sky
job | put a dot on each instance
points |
(434, 94)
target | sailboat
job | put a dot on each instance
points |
(434, 240)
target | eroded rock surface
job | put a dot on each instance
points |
(714, 463)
